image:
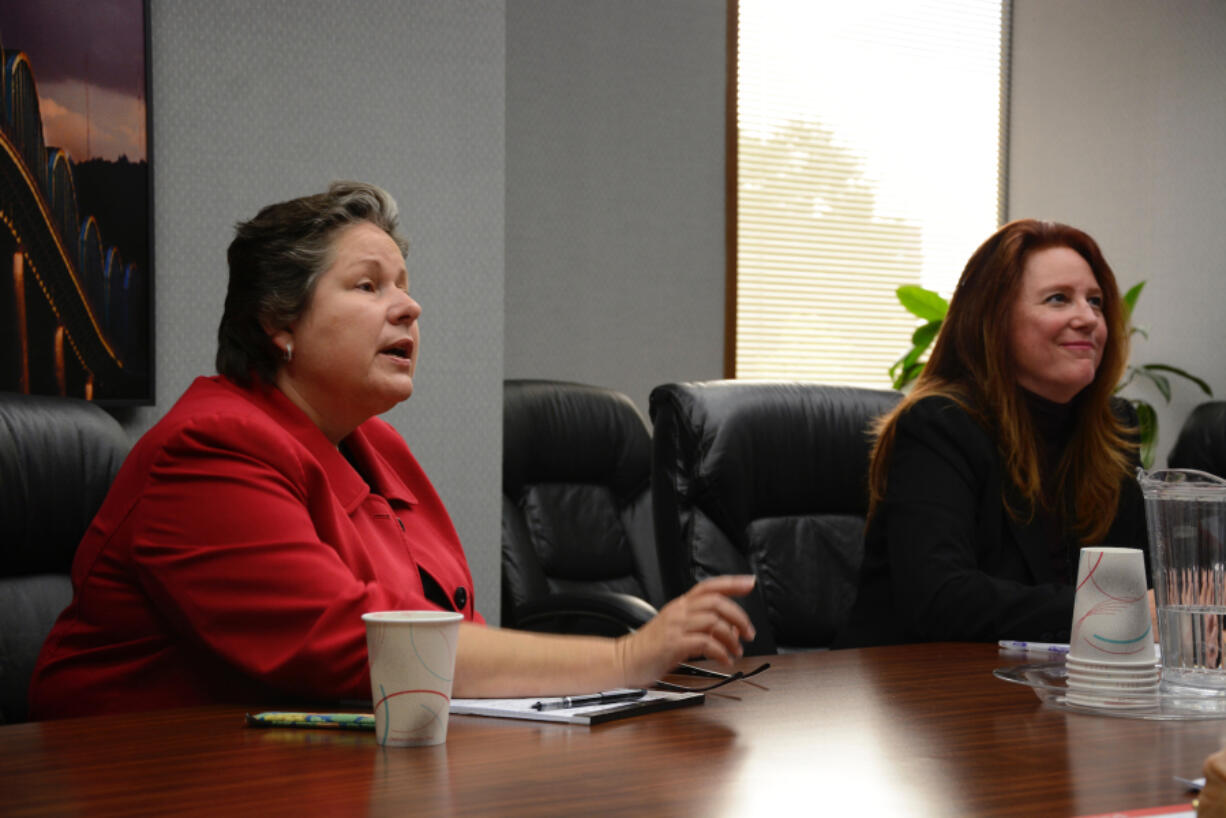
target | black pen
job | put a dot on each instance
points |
(568, 702)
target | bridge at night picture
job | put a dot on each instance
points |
(75, 260)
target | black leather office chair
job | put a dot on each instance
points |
(768, 479)
(58, 457)
(578, 552)
(1202, 440)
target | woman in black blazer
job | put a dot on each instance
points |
(1007, 456)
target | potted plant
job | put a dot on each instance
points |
(931, 308)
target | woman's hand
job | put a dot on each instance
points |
(1211, 803)
(702, 622)
(497, 663)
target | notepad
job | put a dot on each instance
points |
(653, 701)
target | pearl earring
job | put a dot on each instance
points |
(289, 351)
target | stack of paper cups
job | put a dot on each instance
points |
(1112, 662)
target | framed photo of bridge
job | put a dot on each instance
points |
(76, 249)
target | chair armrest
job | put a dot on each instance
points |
(601, 613)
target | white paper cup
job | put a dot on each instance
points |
(1111, 621)
(1101, 673)
(1107, 682)
(1112, 701)
(1143, 666)
(1149, 677)
(412, 663)
(1098, 675)
(1098, 683)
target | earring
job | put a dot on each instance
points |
(289, 351)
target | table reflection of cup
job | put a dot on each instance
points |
(412, 663)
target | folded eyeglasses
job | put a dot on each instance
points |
(724, 678)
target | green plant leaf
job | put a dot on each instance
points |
(1174, 370)
(922, 303)
(898, 368)
(1147, 423)
(1162, 382)
(924, 334)
(909, 374)
(912, 357)
(906, 368)
(1130, 300)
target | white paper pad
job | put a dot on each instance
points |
(593, 714)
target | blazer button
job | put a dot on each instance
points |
(461, 598)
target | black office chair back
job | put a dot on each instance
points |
(770, 479)
(58, 457)
(576, 522)
(1202, 440)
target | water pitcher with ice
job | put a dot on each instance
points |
(1185, 511)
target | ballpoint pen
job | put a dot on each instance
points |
(568, 702)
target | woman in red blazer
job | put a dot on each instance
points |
(252, 526)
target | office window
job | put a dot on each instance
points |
(869, 153)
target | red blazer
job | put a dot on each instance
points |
(234, 557)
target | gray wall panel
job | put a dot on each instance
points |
(1119, 127)
(615, 191)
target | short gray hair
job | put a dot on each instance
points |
(275, 261)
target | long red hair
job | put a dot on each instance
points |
(972, 364)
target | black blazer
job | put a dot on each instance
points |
(943, 559)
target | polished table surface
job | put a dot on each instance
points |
(914, 730)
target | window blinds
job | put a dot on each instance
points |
(869, 154)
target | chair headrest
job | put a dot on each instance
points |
(1202, 440)
(758, 449)
(58, 457)
(558, 432)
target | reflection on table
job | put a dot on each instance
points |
(914, 730)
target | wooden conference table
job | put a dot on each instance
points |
(917, 730)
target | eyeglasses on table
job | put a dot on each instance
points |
(724, 678)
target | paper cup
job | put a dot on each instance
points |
(1148, 677)
(1112, 701)
(1111, 622)
(1108, 683)
(1142, 666)
(412, 662)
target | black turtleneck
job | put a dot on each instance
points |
(1053, 426)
